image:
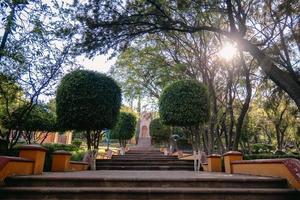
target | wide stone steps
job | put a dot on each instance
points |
(250, 182)
(147, 193)
(144, 160)
(146, 185)
(157, 167)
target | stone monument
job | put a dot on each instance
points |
(144, 135)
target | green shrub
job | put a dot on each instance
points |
(78, 156)
(124, 129)
(77, 142)
(262, 148)
(269, 156)
(160, 133)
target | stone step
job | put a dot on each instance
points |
(138, 182)
(104, 193)
(144, 153)
(146, 162)
(145, 167)
(145, 157)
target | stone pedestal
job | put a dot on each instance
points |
(229, 157)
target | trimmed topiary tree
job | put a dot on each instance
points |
(185, 103)
(160, 133)
(88, 101)
(124, 129)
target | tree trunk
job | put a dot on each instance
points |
(245, 106)
(88, 140)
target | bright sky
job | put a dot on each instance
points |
(99, 63)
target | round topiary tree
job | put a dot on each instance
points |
(185, 103)
(88, 101)
(160, 133)
(124, 129)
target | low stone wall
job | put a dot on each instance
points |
(284, 168)
(10, 166)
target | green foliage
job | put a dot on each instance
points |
(184, 103)
(78, 156)
(144, 71)
(159, 132)
(77, 142)
(39, 119)
(87, 100)
(270, 156)
(262, 148)
(125, 128)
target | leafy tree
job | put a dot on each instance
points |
(33, 51)
(282, 115)
(185, 103)
(124, 129)
(36, 126)
(160, 133)
(88, 101)
(114, 25)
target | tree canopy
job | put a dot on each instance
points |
(184, 103)
(259, 32)
(125, 128)
(87, 100)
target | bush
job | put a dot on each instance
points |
(160, 133)
(269, 156)
(262, 148)
(125, 128)
(78, 156)
(77, 142)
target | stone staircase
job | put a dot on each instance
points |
(144, 159)
(108, 184)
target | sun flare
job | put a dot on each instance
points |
(228, 52)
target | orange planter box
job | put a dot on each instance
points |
(61, 161)
(214, 163)
(36, 153)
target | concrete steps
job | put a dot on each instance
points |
(149, 185)
(149, 193)
(149, 159)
